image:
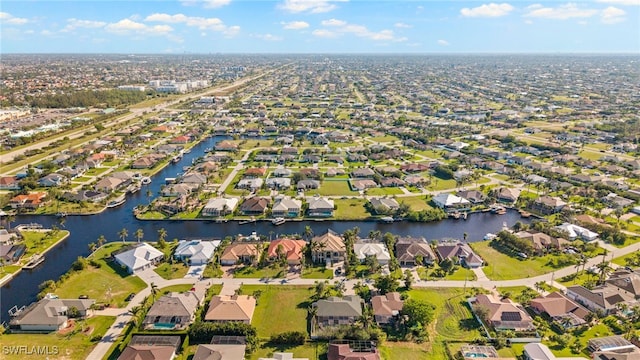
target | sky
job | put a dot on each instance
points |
(319, 26)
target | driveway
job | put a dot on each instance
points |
(195, 272)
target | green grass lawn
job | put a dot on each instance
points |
(38, 241)
(622, 259)
(416, 203)
(266, 272)
(504, 267)
(579, 278)
(82, 179)
(96, 171)
(440, 184)
(70, 346)
(460, 274)
(96, 282)
(280, 308)
(384, 191)
(172, 271)
(350, 209)
(177, 288)
(338, 187)
(406, 351)
(151, 215)
(53, 207)
(383, 139)
(317, 272)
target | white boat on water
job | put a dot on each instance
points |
(145, 180)
(490, 236)
(278, 221)
(117, 201)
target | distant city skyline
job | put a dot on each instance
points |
(319, 26)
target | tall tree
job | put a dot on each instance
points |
(123, 234)
(139, 234)
(101, 240)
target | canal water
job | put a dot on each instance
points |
(86, 229)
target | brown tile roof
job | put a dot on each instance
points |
(231, 308)
(387, 305)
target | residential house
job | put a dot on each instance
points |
(226, 146)
(539, 351)
(231, 308)
(328, 248)
(279, 183)
(174, 311)
(577, 232)
(246, 253)
(386, 307)
(9, 183)
(222, 351)
(254, 206)
(85, 195)
(615, 344)
(321, 207)
(174, 190)
(507, 195)
(281, 172)
(363, 173)
(250, 184)
(286, 207)
(408, 248)
(364, 249)
(450, 202)
(290, 249)
(219, 206)
(147, 161)
(52, 180)
(384, 205)
(560, 308)
(49, 314)
(346, 352)
(414, 167)
(151, 347)
(196, 179)
(138, 258)
(460, 253)
(335, 311)
(255, 172)
(308, 184)
(474, 196)
(604, 298)
(548, 205)
(362, 184)
(11, 253)
(196, 252)
(503, 314)
(30, 201)
(542, 242)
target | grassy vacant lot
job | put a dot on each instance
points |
(179, 288)
(622, 259)
(96, 282)
(416, 203)
(384, 191)
(172, 271)
(350, 209)
(505, 267)
(317, 272)
(440, 184)
(460, 274)
(70, 346)
(406, 351)
(338, 187)
(266, 272)
(38, 241)
(280, 308)
(53, 207)
(453, 322)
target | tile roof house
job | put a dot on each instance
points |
(291, 249)
(28, 201)
(195, 252)
(335, 311)
(384, 205)
(328, 248)
(385, 307)
(246, 253)
(321, 207)
(542, 242)
(154, 347)
(363, 249)
(174, 311)
(604, 298)
(141, 257)
(220, 352)
(286, 207)
(346, 352)
(507, 195)
(407, 248)
(363, 173)
(49, 314)
(449, 201)
(234, 308)
(561, 309)
(548, 205)
(504, 314)
(254, 206)
(220, 206)
(9, 183)
(459, 252)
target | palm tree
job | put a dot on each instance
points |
(366, 319)
(604, 269)
(93, 247)
(101, 240)
(539, 286)
(307, 233)
(123, 234)
(139, 234)
(162, 234)
(154, 290)
(136, 311)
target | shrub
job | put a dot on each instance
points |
(289, 337)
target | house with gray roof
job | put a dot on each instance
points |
(174, 311)
(49, 314)
(335, 311)
(196, 252)
(141, 257)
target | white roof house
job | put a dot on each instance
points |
(216, 207)
(379, 250)
(139, 258)
(198, 252)
(576, 231)
(448, 200)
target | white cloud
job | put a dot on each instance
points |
(487, 10)
(295, 25)
(402, 25)
(269, 37)
(621, 2)
(562, 12)
(207, 4)
(443, 43)
(613, 15)
(127, 27)
(342, 27)
(73, 24)
(201, 23)
(311, 6)
(231, 31)
(7, 18)
(323, 33)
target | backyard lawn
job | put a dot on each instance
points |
(70, 346)
(416, 203)
(350, 209)
(280, 308)
(172, 271)
(107, 284)
(384, 191)
(460, 274)
(38, 241)
(338, 187)
(266, 272)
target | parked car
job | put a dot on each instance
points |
(83, 297)
(130, 297)
(338, 271)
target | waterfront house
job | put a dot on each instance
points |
(290, 249)
(507, 195)
(542, 242)
(364, 249)
(335, 311)
(328, 248)
(384, 205)
(138, 258)
(231, 308)
(286, 207)
(174, 311)
(195, 252)
(49, 314)
(503, 314)
(219, 206)
(245, 253)
(226, 146)
(450, 202)
(460, 253)
(548, 205)
(321, 207)
(30, 201)
(408, 248)
(254, 206)
(151, 347)
(386, 307)
(577, 232)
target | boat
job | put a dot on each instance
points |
(221, 220)
(186, 151)
(499, 210)
(35, 260)
(464, 215)
(117, 201)
(176, 159)
(145, 180)
(455, 215)
(278, 221)
(387, 219)
(489, 236)
(524, 214)
(61, 214)
(133, 188)
(252, 220)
